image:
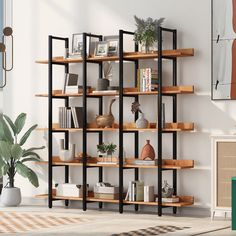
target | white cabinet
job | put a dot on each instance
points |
(223, 169)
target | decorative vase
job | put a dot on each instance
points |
(147, 47)
(167, 190)
(11, 197)
(102, 84)
(141, 122)
(67, 155)
(148, 151)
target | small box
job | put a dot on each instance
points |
(70, 190)
(107, 190)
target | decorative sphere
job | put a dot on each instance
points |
(7, 31)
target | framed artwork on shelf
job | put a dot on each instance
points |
(101, 49)
(77, 44)
(223, 83)
(113, 44)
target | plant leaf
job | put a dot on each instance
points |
(2, 166)
(5, 150)
(16, 151)
(4, 169)
(20, 122)
(6, 134)
(30, 159)
(31, 149)
(33, 178)
(22, 169)
(27, 134)
(9, 121)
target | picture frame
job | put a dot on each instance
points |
(113, 44)
(77, 44)
(101, 49)
(71, 82)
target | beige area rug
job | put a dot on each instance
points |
(60, 221)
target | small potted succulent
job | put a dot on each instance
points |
(13, 157)
(147, 32)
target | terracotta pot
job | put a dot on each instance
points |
(148, 151)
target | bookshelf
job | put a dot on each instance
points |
(172, 164)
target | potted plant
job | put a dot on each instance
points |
(111, 147)
(13, 157)
(146, 32)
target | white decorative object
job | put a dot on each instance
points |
(67, 155)
(11, 197)
(141, 122)
(105, 188)
(223, 168)
(70, 190)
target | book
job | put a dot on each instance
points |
(145, 162)
(105, 91)
(169, 199)
(148, 193)
(135, 191)
(107, 196)
(147, 80)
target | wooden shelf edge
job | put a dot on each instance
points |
(166, 90)
(184, 200)
(184, 52)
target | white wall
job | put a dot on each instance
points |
(35, 20)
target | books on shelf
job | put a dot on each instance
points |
(107, 196)
(135, 191)
(70, 117)
(147, 80)
(145, 162)
(169, 199)
(104, 91)
(106, 191)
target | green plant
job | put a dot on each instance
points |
(12, 155)
(106, 148)
(147, 30)
(101, 148)
(111, 147)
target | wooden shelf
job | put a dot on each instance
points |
(127, 55)
(166, 164)
(169, 127)
(166, 90)
(184, 200)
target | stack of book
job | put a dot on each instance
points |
(147, 80)
(70, 117)
(145, 162)
(135, 191)
(172, 199)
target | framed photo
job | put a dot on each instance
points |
(77, 44)
(71, 82)
(113, 44)
(101, 49)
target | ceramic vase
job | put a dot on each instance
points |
(148, 151)
(67, 155)
(141, 122)
(11, 197)
(102, 84)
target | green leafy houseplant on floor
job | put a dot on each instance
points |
(13, 157)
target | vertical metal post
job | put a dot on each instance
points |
(136, 134)
(50, 87)
(66, 133)
(175, 116)
(159, 128)
(84, 121)
(121, 121)
(100, 169)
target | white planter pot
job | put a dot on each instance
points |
(11, 197)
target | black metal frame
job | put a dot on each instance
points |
(160, 130)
